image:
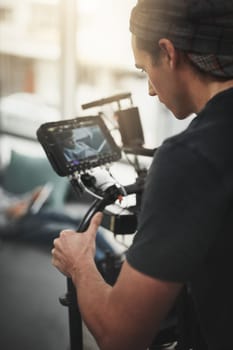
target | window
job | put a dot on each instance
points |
(56, 55)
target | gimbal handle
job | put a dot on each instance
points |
(70, 300)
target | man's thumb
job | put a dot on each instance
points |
(95, 223)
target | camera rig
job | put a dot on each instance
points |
(78, 147)
(82, 149)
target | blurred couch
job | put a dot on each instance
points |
(23, 173)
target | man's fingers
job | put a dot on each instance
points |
(95, 223)
(96, 220)
(67, 232)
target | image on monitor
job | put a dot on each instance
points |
(83, 143)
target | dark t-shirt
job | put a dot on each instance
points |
(185, 231)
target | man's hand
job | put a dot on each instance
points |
(72, 251)
(17, 210)
(124, 316)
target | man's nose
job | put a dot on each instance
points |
(151, 90)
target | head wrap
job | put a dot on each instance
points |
(201, 27)
(217, 65)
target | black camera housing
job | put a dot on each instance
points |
(89, 140)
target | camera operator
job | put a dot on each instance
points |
(185, 231)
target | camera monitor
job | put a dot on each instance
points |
(77, 144)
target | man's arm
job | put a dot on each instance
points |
(125, 316)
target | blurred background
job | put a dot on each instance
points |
(56, 55)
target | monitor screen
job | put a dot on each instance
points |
(83, 143)
(78, 144)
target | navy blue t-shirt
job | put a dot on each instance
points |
(185, 231)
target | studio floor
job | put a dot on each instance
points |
(31, 316)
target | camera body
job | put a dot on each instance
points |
(78, 145)
(75, 146)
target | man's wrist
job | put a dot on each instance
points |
(82, 270)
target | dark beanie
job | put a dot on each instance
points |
(199, 26)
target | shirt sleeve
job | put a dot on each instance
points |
(183, 209)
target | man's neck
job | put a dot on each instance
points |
(204, 90)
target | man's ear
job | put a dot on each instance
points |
(169, 51)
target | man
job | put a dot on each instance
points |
(185, 228)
